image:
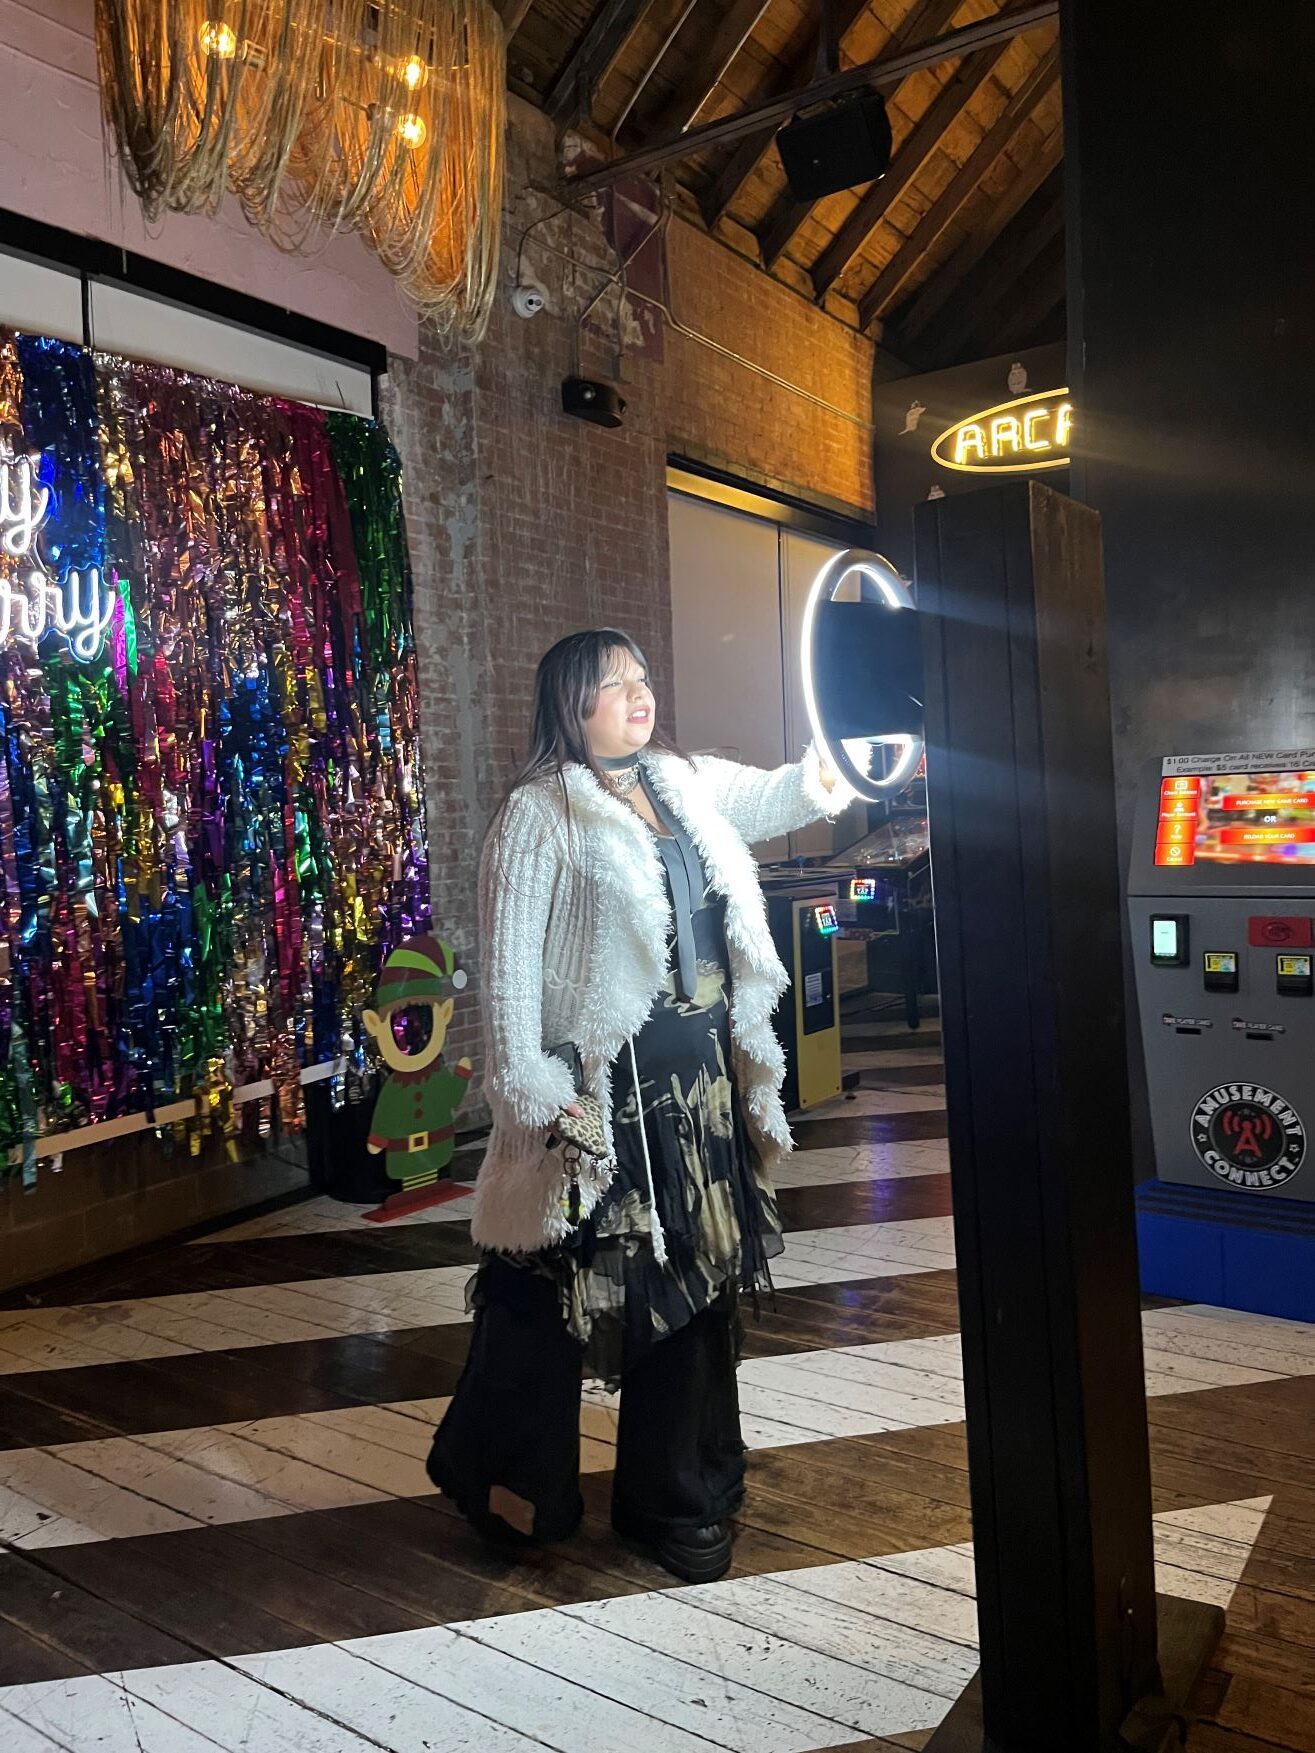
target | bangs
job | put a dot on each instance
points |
(613, 660)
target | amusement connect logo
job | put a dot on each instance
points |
(1248, 1135)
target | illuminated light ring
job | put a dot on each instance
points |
(1024, 468)
(844, 757)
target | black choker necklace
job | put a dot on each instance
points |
(622, 771)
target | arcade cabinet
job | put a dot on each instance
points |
(802, 913)
(1221, 908)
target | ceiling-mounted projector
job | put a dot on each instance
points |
(862, 672)
(834, 148)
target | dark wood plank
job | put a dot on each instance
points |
(156, 1581)
(861, 1037)
(172, 1270)
(26, 1660)
(861, 1202)
(91, 1634)
(842, 1516)
(226, 1387)
(287, 1587)
(897, 1077)
(869, 1129)
(861, 1312)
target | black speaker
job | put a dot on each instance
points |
(589, 400)
(846, 143)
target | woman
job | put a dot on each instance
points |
(627, 955)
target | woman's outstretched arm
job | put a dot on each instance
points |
(762, 804)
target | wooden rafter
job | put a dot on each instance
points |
(923, 140)
(886, 71)
(984, 305)
(892, 279)
(943, 285)
(788, 213)
(571, 92)
(747, 156)
(717, 46)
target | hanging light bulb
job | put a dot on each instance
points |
(414, 73)
(218, 39)
(412, 130)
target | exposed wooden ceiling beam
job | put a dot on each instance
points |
(923, 140)
(747, 156)
(788, 212)
(887, 70)
(944, 283)
(886, 288)
(513, 14)
(571, 92)
(717, 46)
(1004, 277)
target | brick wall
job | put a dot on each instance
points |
(719, 412)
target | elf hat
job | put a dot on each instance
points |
(420, 970)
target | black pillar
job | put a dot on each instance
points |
(1028, 905)
(1190, 227)
(1191, 237)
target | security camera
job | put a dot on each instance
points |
(528, 300)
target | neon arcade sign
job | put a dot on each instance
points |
(78, 608)
(1013, 438)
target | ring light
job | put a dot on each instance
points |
(862, 671)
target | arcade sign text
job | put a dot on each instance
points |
(1013, 438)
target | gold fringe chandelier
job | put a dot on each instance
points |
(384, 118)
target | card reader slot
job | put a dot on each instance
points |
(1259, 1035)
(1185, 1029)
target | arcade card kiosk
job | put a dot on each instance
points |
(1221, 903)
(802, 911)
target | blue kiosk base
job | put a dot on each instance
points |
(1231, 1249)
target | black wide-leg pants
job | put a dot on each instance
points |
(508, 1450)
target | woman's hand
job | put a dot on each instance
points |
(554, 1135)
(828, 774)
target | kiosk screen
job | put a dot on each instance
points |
(1236, 818)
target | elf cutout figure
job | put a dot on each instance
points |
(413, 1113)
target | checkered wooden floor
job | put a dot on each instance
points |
(217, 1530)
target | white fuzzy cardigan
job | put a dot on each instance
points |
(575, 926)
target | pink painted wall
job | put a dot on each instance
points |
(56, 169)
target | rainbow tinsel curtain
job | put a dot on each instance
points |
(211, 800)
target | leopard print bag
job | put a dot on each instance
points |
(581, 1135)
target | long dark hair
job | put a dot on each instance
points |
(566, 687)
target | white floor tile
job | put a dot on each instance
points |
(680, 1680)
(384, 1708)
(547, 1704)
(859, 1698)
(90, 1714)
